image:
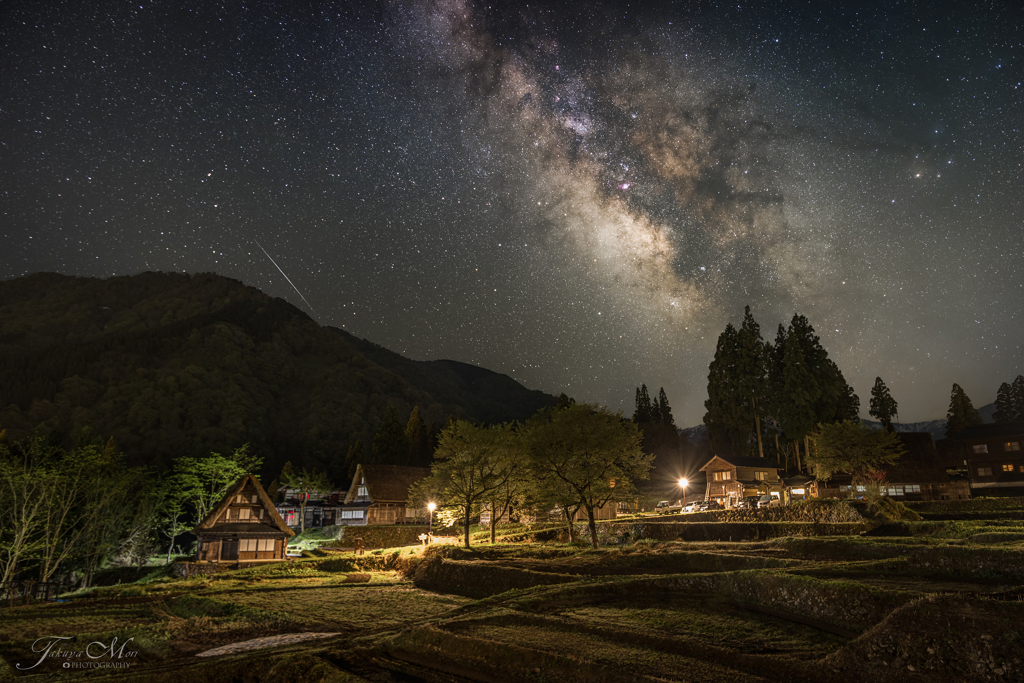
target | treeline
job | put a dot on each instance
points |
(570, 458)
(66, 513)
(765, 399)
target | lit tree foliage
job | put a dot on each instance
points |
(883, 405)
(852, 448)
(588, 450)
(961, 413)
(469, 464)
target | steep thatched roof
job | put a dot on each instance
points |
(386, 483)
(272, 519)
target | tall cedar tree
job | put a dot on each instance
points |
(883, 405)
(390, 447)
(962, 413)
(664, 410)
(751, 373)
(1017, 391)
(800, 391)
(726, 414)
(644, 411)
(1005, 411)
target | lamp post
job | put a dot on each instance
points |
(431, 507)
(682, 484)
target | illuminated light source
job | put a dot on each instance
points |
(682, 484)
(430, 528)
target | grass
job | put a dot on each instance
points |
(710, 610)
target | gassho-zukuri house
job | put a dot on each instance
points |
(243, 528)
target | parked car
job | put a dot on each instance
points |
(747, 503)
(692, 506)
(666, 507)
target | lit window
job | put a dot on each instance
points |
(351, 514)
(980, 448)
(984, 471)
(726, 475)
(1013, 445)
(255, 499)
(1007, 468)
(760, 476)
(244, 513)
(913, 488)
(361, 491)
(247, 545)
(266, 544)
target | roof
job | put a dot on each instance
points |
(920, 464)
(737, 461)
(273, 518)
(990, 430)
(386, 483)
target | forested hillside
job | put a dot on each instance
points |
(171, 364)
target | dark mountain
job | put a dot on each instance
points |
(171, 364)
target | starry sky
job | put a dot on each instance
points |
(579, 195)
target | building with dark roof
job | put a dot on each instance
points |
(919, 474)
(731, 478)
(379, 495)
(244, 527)
(995, 461)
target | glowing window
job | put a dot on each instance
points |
(1013, 445)
(1007, 468)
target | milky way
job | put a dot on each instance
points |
(581, 198)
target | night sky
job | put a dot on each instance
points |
(581, 198)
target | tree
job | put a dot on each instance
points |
(588, 450)
(751, 372)
(204, 481)
(726, 409)
(800, 391)
(1005, 410)
(852, 447)
(390, 447)
(307, 483)
(664, 410)
(470, 462)
(1010, 402)
(883, 405)
(644, 412)
(418, 436)
(353, 458)
(962, 413)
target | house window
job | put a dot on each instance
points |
(261, 513)
(351, 514)
(361, 491)
(984, 471)
(760, 476)
(895, 491)
(723, 476)
(266, 545)
(1013, 445)
(1007, 468)
(980, 448)
(244, 513)
(255, 499)
(247, 545)
(913, 488)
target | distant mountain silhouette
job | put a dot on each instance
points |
(171, 364)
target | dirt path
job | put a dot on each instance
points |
(263, 643)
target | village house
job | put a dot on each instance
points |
(379, 495)
(731, 478)
(918, 475)
(994, 459)
(322, 508)
(243, 528)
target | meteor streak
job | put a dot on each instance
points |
(286, 278)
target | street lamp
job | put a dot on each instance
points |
(682, 484)
(431, 507)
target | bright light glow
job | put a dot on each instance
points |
(683, 482)
(431, 506)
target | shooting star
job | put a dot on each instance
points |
(287, 278)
